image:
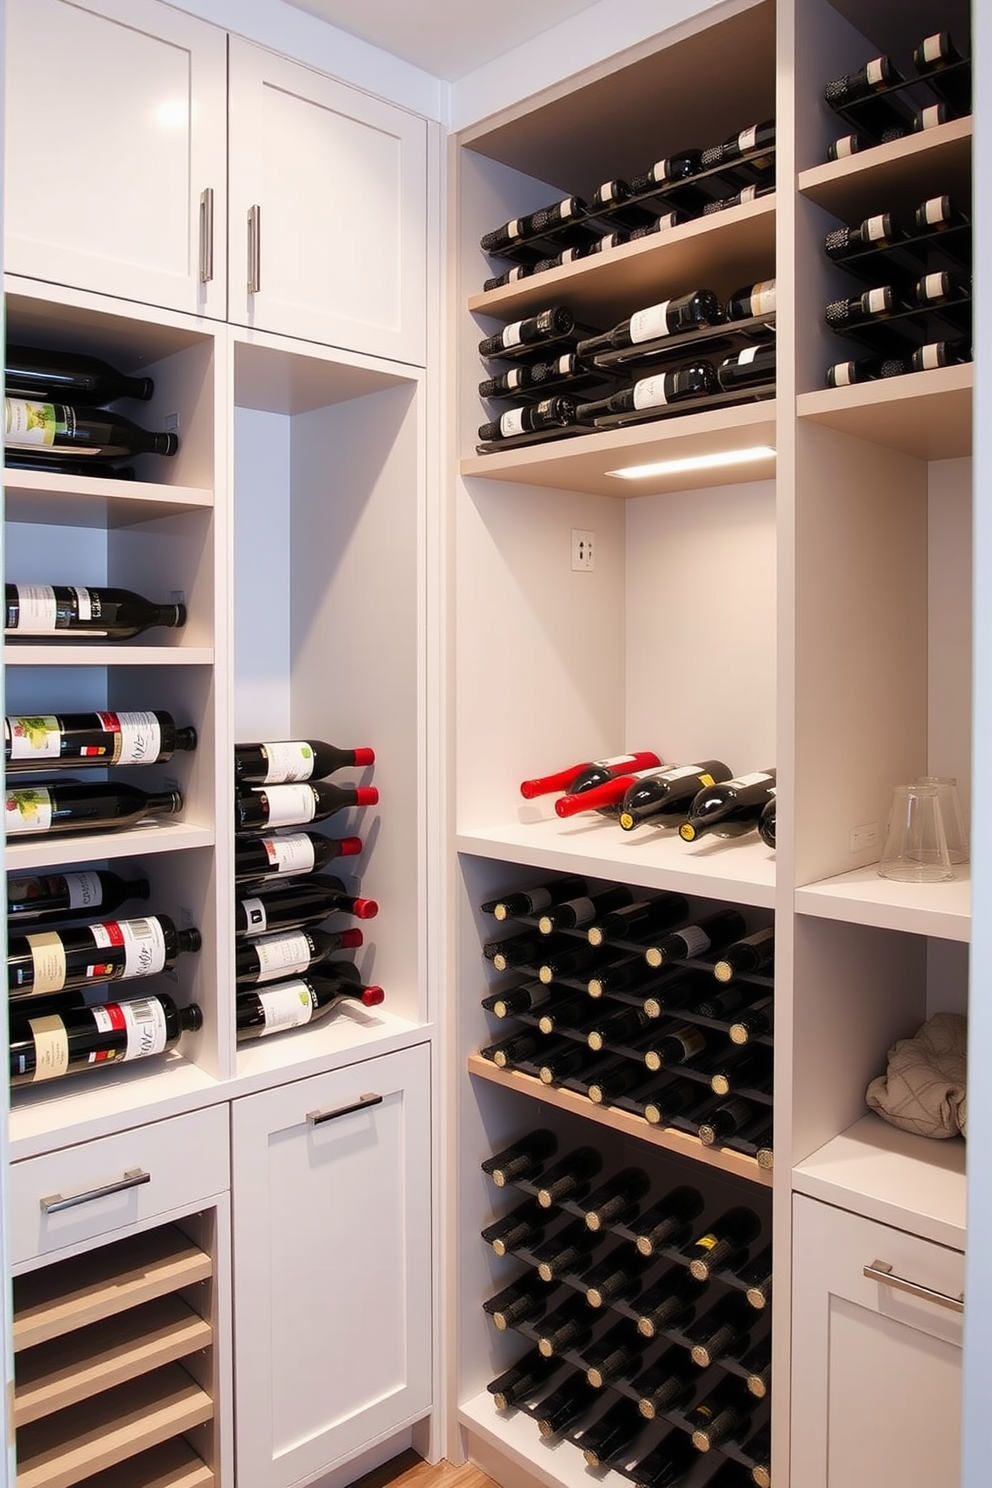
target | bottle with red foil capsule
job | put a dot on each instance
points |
(593, 772)
(279, 762)
(91, 1038)
(52, 741)
(272, 958)
(293, 904)
(284, 854)
(302, 1000)
(606, 796)
(258, 807)
(49, 961)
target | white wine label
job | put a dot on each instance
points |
(85, 608)
(875, 72)
(539, 899)
(842, 374)
(565, 207)
(291, 854)
(255, 916)
(28, 424)
(85, 890)
(649, 392)
(606, 192)
(616, 759)
(47, 962)
(934, 286)
(757, 778)
(876, 300)
(748, 194)
(667, 220)
(763, 297)
(845, 146)
(935, 210)
(660, 171)
(931, 48)
(33, 738)
(747, 138)
(288, 1006)
(513, 228)
(681, 773)
(290, 805)
(758, 938)
(28, 809)
(930, 356)
(144, 1020)
(511, 334)
(747, 355)
(51, 1047)
(511, 422)
(137, 738)
(283, 955)
(875, 228)
(37, 611)
(696, 940)
(513, 379)
(650, 323)
(569, 255)
(584, 911)
(564, 364)
(142, 940)
(290, 760)
(931, 117)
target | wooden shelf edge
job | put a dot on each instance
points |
(84, 847)
(860, 897)
(927, 414)
(820, 180)
(681, 1143)
(67, 655)
(172, 1464)
(37, 484)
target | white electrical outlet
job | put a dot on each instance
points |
(583, 551)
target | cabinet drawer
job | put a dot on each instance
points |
(185, 1159)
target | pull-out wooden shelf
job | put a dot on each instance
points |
(172, 1465)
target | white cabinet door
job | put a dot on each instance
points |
(328, 190)
(332, 1285)
(115, 150)
(876, 1393)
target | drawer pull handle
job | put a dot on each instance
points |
(133, 1178)
(206, 235)
(317, 1118)
(882, 1271)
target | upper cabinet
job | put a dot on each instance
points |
(120, 184)
(328, 191)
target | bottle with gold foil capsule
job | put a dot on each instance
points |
(665, 1465)
(617, 1355)
(616, 1200)
(722, 1242)
(667, 1385)
(605, 1439)
(522, 1381)
(568, 1327)
(567, 1403)
(758, 1366)
(758, 1450)
(573, 914)
(527, 998)
(523, 1302)
(724, 1415)
(723, 1331)
(667, 1222)
(514, 950)
(705, 935)
(512, 1052)
(571, 1010)
(622, 1026)
(660, 795)
(752, 955)
(644, 917)
(570, 1178)
(670, 1098)
(572, 958)
(730, 808)
(674, 1045)
(756, 1278)
(539, 898)
(757, 1020)
(731, 1116)
(566, 1252)
(523, 1160)
(748, 1067)
(629, 974)
(568, 1060)
(524, 1226)
(764, 1151)
(620, 1076)
(618, 1277)
(670, 1302)
(674, 990)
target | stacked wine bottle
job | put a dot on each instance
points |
(646, 1313)
(286, 971)
(879, 103)
(636, 1002)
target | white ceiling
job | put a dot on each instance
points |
(448, 38)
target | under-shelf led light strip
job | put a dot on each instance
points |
(695, 462)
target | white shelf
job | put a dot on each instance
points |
(346, 1037)
(515, 1436)
(926, 414)
(89, 653)
(874, 1169)
(94, 501)
(906, 171)
(861, 897)
(25, 856)
(741, 869)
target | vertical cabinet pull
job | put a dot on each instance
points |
(254, 249)
(317, 1118)
(206, 235)
(133, 1178)
(881, 1271)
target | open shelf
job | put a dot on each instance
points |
(665, 1137)
(861, 897)
(25, 855)
(926, 414)
(352, 1033)
(895, 177)
(102, 653)
(514, 1435)
(172, 1465)
(874, 1169)
(93, 501)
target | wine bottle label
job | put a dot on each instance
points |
(143, 942)
(284, 955)
(932, 116)
(289, 805)
(683, 772)
(513, 228)
(605, 192)
(563, 366)
(649, 392)
(936, 210)
(539, 899)
(584, 911)
(749, 194)
(874, 228)
(757, 778)
(747, 138)
(28, 809)
(696, 940)
(289, 761)
(934, 286)
(288, 1006)
(255, 917)
(616, 759)
(512, 422)
(29, 425)
(747, 355)
(291, 854)
(692, 1040)
(513, 379)
(565, 208)
(875, 72)
(930, 356)
(511, 334)
(660, 171)
(763, 297)
(847, 145)
(137, 738)
(667, 220)
(33, 737)
(47, 962)
(842, 374)
(143, 1020)
(37, 610)
(87, 604)
(570, 255)
(51, 1047)
(85, 890)
(650, 323)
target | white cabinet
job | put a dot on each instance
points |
(876, 1368)
(331, 1265)
(328, 191)
(118, 184)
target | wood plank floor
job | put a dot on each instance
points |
(411, 1471)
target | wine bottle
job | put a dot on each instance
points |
(758, 1364)
(514, 950)
(742, 198)
(939, 354)
(948, 294)
(279, 762)
(864, 369)
(939, 61)
(616, 1201)
(512, 1052)
(113, 614)
(522, 1302)
(756, 1278)
(512, 276)
(754, 1021)
(525, 999)
(866, 88)
(674, 317)
(629, 974)
(522, 1381)
(740, 146)
(257, 807)
(302, 999)
(574, 913)
(603, 796)
(723, 1415)
(721, 1243)
(737, 1067)
(674, 1097)
(662, 794)
(868, 308)
(753, 955)
(634, 921)
(846, 146)
(93, 433)
(568, 957)
(568, 1060)
(556, 260)
(271, 958)
(671, 1301)
(43, 898)
(541, 897)
(939, 214)
(616, 1078)
(566, 369)
(666, 1386)
(752, 301)
(506, 240)
(570, 1011)
(764, 1145)
(754, 367)
(574, 776)
(567, 1251)
(758, 1451)
(288, 906)
(569, 1178)
(623, 1026)
(68, 377)
(766, 823)
(690, 941)
(74, 806)
(91, 1038)
(557, 412)
(540, 331)
(693, 380)
(723, 1331)
(676, 1046)
(729, 808)
(604, 1440)
(75, 465)
(524, 1226)
(666, 1221)
(110, 951)
(285, 854)
(523, 1160)
(878, 232)
(47, 741)
(665, 1465)
(568, 1403)
(617, 1355)
(664, 222)
(567, 1327)
(667, 172)
(615, 201)
(618, 1277)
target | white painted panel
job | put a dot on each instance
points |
(949, 597)
(261, 569)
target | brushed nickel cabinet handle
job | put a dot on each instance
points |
(254, 249)
(317, 1118)
(133, 1178)
(206, 235)
(881, 1271)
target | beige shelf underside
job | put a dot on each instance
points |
(171, 1465)
(904, 173)
(914, 1183)
(861, 897)
(664, 1137)
(93, 501)
(926, 414)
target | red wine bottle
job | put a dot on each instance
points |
(618, 1277)
(756, 1278)
(754, 1021)
(753, 955)
(867, 88)
(90, 432)
(752, 300)
(622, 1026)
(68, 377)
(666, 1386)
(47, 897)
(522, 1381)
(741, 146)
(666, 1222)
(574, 776)
(278, 762)
(566, 1251)
(648, 394)
(878, 232)
(557, 412)
(113, 614)
(939, 354)
(536, 331)
(574, 913)
(866, 369)
(617, 1078)
(272, 958)
(72, 806)
(678, 1045)
(302, 1000)
(604, 1440)
(616, 1200)
(674, 317)
(665, 1465)
(742, 198)
(728, 1118)
(515, 950)
(523, 1160)
(757, 1365)
(74, 465)
(527, 998)
(257, 807)
(92, 1038)
(671, 1301)
(524, 1226)
(722, 1415)
(512, 276)
(864, 309)
(48, 741)
(566, 1404)
(721, 1243)
(729, 808)
(288, 853)
(635, 921)
(664, 795)
(288, 906)
(741, 1067)
(681, 166)
(113, 950)
(689, 941)
(569, 1178)
(541, 897)
(946, 70)
(568, 1327)
(617, 1355)
(603, 796)
(512, 1052)
(748, 370)
(667, 1099)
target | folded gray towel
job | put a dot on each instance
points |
(924, 1088)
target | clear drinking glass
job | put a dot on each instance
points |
(955, 828)
(915, 848)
